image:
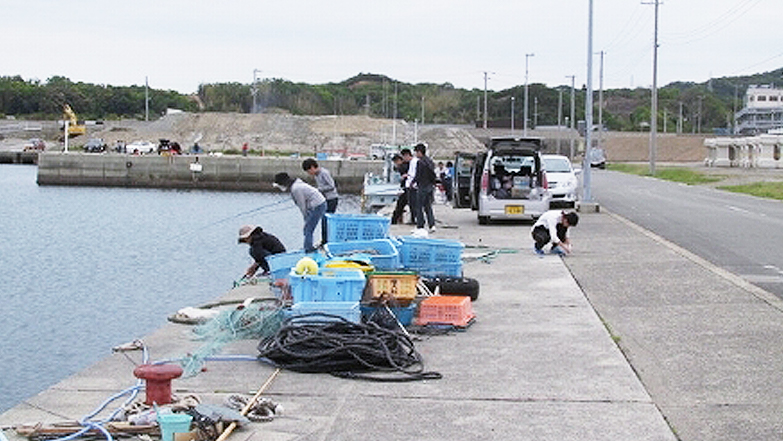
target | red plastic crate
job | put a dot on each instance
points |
(446, 310)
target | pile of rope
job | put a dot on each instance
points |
(249, 321)
(326, 343)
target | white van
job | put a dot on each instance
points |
(509, 181)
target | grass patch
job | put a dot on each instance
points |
(675, 174)
(770, 190)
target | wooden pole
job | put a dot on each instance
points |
(226, 433)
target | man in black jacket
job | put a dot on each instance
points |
(401, 164)
(424, 181)
(261, 245)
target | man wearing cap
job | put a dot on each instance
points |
(310, 201)
(261, 245)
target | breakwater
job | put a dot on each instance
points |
(18, 157)
(229, 172)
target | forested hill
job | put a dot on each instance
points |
(710, 104)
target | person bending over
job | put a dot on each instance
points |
(310, 201)
(262, 244)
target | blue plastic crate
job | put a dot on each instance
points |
(281, 264)
(348, 310)
(381, 252)
(446, 269)
(345, 227)
(431, 257)
(330, 285)
(404, 314)
(418, 251)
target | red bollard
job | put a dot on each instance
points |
(158, 378)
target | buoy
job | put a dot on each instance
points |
(306, 265)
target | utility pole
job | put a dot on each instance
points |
(586, 173)
(535, 112)
(485, 100)
(146, 101)
(679, 121)
(601, 103)
(699, 120)
(654, 107)
(573, 114)
(527, 57)
(734, 112)
(512, 115)
(254, 91)
(665, 117)
(394, 124)
(559, 117)
(422, 110)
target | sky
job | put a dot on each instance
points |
(180, 44)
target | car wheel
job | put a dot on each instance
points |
(483, 220)
(454, 286)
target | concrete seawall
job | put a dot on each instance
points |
(18, 157)
(235, 173)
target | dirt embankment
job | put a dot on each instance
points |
(347, 135)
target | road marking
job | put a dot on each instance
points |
(731, 207)
(744, 211)
(762, 278)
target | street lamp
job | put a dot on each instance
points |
(512, 115)
(527, 57)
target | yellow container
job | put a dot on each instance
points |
(350, 264)
(401, 287)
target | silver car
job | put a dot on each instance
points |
(510, 181)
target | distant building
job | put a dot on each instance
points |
(763, 111)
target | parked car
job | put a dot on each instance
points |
(597, 158)
(95, 145)
(509, 181)
(463, 167)
(562, 179)
(35, 144)
(140, 148)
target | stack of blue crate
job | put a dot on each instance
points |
(334, 291)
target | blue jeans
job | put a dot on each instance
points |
(313, 216)
(424, 206)
(331, 207)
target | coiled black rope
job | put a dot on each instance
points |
(320, 342)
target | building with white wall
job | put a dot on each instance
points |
(763, 111)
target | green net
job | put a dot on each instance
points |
(252, 322)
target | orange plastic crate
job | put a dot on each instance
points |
(446, 310)
(400, 286)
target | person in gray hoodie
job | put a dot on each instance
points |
(310, 201)
(327, 187)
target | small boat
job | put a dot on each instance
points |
(381, 190)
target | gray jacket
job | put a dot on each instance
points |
(325, 183)
(305, 196)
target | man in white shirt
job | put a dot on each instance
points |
(552, 226)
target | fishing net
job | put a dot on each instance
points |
(252, 322)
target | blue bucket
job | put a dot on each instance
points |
(171, 423)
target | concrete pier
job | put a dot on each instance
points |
(235, 173)
(538, 364)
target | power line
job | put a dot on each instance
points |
(714, 26)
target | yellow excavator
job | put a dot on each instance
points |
(75, 127)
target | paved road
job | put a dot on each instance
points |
(739, 233)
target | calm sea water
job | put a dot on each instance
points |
(85, 269)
